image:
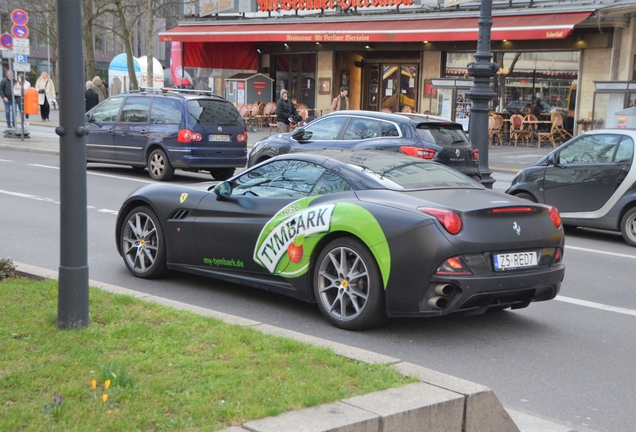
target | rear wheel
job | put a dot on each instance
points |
(142, 243)
(527, 196)
(159, 166)
(628, 227)
(222, 173)
(348, 285)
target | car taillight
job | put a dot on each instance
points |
(420, 152)
(555, 217)
(558, 256)
(242, 138)
(186, 136)
(448, 218)
(512, 210)
(475, 154)
(453, 266)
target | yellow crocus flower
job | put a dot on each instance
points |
(104, 398)
(106, 384)
(94, 384)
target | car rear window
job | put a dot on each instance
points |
(210, 112)
(397, 174)
(442, 134)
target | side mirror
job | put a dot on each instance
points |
(223, 190)
(298, 134)
(90, 119)
(554, 160)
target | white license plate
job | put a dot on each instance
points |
(219, 138)
(515, 260)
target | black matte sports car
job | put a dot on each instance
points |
(591, 179)
(365, 234)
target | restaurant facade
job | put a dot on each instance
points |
(399, 55)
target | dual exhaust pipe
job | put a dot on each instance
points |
(445, 293)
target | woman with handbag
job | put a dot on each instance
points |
(46, 93)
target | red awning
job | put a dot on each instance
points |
(521, 27)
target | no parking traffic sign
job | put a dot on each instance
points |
(20, 31)
(19, 17)
(6, 40)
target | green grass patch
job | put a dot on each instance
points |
(166, 369)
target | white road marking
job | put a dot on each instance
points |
(5, 160)
(44, 166)
(595, 305)
(621, 255)
(39, 198)
(96, 174)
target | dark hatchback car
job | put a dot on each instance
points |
(424, 136)
(166, 130)
(519, 107)
(591, 179)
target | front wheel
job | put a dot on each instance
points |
(222, 173)
(159, 166)
(348, 285)
(628, 227)
(142, 243)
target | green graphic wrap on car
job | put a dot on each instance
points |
(288, 240)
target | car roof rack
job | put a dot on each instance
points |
(165, 90)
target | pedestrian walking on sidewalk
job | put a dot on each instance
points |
(46, 93)
(91, 97)
(100, 88)
(341, 102)
(285, 112)
(6, 91)
(21, 85)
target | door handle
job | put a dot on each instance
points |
(143, 131)
(111, 130)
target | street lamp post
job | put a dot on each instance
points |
(482, 70)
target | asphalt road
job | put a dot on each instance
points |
(569, 359)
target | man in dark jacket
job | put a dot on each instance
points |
(91, 97)
(6, 91)
(285, 112)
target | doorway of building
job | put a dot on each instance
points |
(297, 74)
(391, 87)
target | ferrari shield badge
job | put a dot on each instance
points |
(183, 197)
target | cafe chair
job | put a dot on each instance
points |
(518, 129)
(557, 123)
(546, 136)
(494, 131)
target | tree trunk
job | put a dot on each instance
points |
(134, 84)
(150, 17)
(89, 43)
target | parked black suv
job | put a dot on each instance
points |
(424, 136)
(167, 129)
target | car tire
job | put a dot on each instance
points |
(159, 166)
(222, 173)
(526, 195)
(348, 285)
(628, 227)
(142, 243)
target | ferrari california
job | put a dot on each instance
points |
(364, 234)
